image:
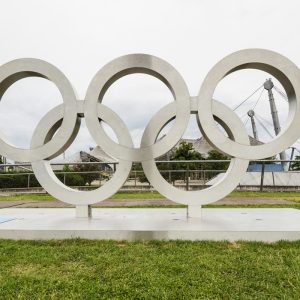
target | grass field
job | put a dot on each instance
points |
(47, 197)
(292, 196)
(79, 269)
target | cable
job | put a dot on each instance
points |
(244, 115)
(246, 121)
(263, 126)
(281, 93)
(265, 120)
(248, 98)
(258, 98)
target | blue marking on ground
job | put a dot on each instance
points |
(5, 219)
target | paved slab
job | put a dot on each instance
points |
(6, 204)
(147, 224)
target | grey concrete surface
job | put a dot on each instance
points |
(267, 225)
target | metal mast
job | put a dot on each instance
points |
(251, 115)
(268, 85)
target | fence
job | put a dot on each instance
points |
(184, 174)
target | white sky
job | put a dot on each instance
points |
(79, 37)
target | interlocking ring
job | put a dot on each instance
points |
(59, 127)
(129, 64)
(277, 65)
(237, 168)
(29, 67)
(45, 175)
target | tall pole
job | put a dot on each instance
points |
(254, 130)
(4, 162)
(292, 156)
(268, 85)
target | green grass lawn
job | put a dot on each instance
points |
(27, 197)
(293, 196)
(47, 197)
(139, 195)
(80, 269)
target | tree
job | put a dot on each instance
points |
(185, 151)
(216, 155)
(212, 166)
(295, 165)
(70, 179)
(89, 172)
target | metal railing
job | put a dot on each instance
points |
(192, 174)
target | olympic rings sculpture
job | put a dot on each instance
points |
(59, 127)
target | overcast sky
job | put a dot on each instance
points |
(79, 37)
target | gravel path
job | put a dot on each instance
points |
(137, 202)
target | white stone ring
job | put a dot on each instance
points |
(277, 65)
(129, 64)
(29, 67)
(45, 175)
(237, 168)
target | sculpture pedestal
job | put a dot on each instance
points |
(256, 224)
(194, 211)
(83, 211)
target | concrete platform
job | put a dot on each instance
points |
(259, 224)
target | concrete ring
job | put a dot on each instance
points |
(29, 67)
(45, 175)
(129, 64)
(237, 168)
(277, 65)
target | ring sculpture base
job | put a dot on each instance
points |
(59, 127)
(83, 211)
(231, 224)
(194, 211)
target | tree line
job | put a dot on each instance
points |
(174, 170)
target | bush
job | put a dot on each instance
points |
(20, 180)
(17, 180)
(71, 179)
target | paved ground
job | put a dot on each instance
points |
(137, 202)
(268, 225)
